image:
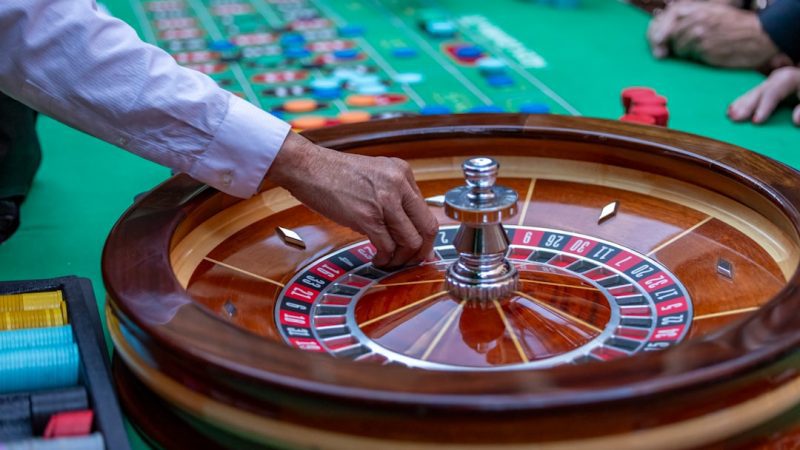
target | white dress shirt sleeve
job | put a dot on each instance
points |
(91, 71)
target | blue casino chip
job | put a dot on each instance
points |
(485, 109)
(432, 110)
(534, 108)
(404, 52)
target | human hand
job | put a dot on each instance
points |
(376, 196)
(712, 33)
(761, 101)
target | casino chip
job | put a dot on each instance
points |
(468, 52)
(324, 83)
(366, 84)
(645, 101)
(347, 74)
(490, 66)
(638, 118)
(309, 122)
(372, 89)
(655, 99)
(432, 110)
(500, 80)
(441, 28)
(351, 31)
(534, 108)
(345, 54)
(408, 78)
(630, 92)
(296, 52)
(300, 105)
(659, 113)
(361, 101)
(292, 39)
(404, 52)
(326, 88)
(354, 116)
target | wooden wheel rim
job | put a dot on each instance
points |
(144, 234)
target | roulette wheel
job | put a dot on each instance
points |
(595, 284)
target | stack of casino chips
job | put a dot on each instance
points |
(42, 406)
(644, 105)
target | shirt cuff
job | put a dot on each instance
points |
(780, 22)
(244, 146)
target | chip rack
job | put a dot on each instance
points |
(94, 372)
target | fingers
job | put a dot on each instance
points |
(743, 107)
(659, 31)
(422, 218)
(402, 227)
(761, 101)
(686, 39)
(409, 221)
(766, 105)
(670, 24)
(406, 238)
(424, 223)
(796, 115)
(379, 235)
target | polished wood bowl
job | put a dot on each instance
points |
(667, 321)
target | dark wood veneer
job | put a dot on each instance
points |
(710, 373)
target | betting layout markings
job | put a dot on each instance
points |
(147, 29)
(447, 65)
(266, 11)
(537, 83)
(276, 23)
(215, 32)
(372, 53)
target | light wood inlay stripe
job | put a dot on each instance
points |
(527, 203)
(443, 330)
(407, 283)
(510, 331)
(244, 272)
(727, 313)
(678, 236)
(559, 312)
(571, 286)
(401, 309)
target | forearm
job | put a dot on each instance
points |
(92, 72)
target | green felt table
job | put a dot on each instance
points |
(587, 56)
